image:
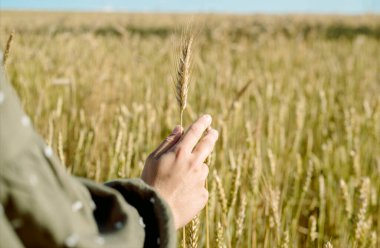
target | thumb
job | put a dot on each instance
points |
(168, 142)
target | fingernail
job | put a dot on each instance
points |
(215, 132)
(207, 117)
(177, 129)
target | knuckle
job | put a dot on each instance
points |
(210, 141)
(195, 166)
(205, 170)
(180, 153)
(197, 163)
(206, 140)
(196, 128)
(204, 195)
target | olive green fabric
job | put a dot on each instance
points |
(43, 206)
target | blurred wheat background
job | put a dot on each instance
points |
(296, 100)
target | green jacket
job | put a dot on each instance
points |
(43, 206)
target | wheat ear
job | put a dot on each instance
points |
(183, 75)
(220, 236)
(328, 245)
(192, 233)
(237, 97)
(181, 89)
(7, 48)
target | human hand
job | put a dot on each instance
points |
(176, 169)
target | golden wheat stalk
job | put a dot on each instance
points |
(328, 245)
(61, 154)
(235, 184)
(363, 224)
(285, 240)
(237, 97)
(8, 48)
(183, 75)
(221, 196)
(346, 198)
(313, 228)
(182, 87)
(192, 233)
(241, 218)
(220, 236)
(208, 162)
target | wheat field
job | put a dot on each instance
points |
(296, 100)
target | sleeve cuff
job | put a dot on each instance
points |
(155, 212)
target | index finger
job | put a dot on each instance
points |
(194, 133)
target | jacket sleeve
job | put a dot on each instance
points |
(43, 206)
(156, 217)
(8, 238)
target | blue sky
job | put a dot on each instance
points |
(237, 6)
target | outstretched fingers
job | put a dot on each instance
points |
(205, 146)
(194, 133)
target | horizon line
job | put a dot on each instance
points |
(216, 12)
